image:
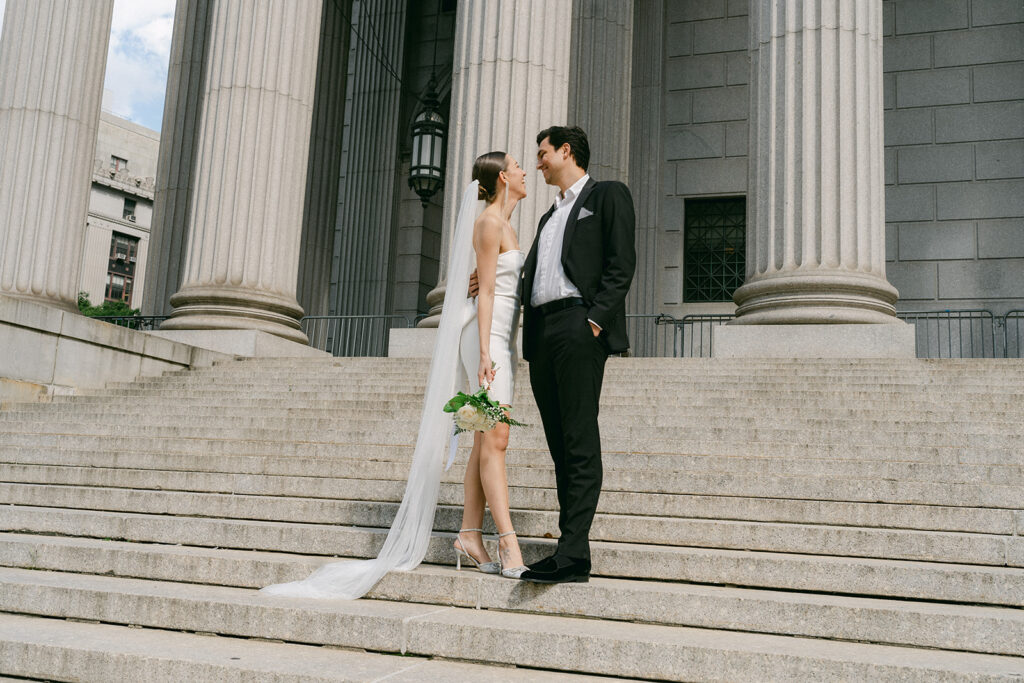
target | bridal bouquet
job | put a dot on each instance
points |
(477, 412)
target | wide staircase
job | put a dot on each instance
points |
(760, 521)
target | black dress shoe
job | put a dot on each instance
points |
(563, 571)
(547, 564)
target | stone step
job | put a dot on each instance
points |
(964, 627)
(688, 406)
(631, 378)
(622, 555)
(56, 649)
(657, 491)
(537, 641)
(249, 446)
(667, 385)
(797, 403)
(409, 413)
(809, 396)
(609, 524)
(391, 462)
(660, 438)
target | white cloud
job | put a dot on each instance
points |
(140, 48)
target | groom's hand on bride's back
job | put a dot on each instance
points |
(474, 284)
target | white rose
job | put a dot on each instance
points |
(466, 412)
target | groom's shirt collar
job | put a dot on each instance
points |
(569, 196)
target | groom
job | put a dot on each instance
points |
(574, 288)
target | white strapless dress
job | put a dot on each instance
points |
(504, 325)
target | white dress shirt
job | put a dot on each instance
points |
(550, 282)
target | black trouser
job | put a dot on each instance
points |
(566, 372)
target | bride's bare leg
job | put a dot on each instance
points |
(495, 484)
(473, 507)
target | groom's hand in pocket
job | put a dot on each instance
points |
(594, 328)
(474, 284)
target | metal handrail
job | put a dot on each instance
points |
(651, 342)
(352, 335)
(1018, 338)
(966, 333)
(133, 322)
(702, 347)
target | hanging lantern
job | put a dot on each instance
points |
(428, 148)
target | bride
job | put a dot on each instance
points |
(486, 237)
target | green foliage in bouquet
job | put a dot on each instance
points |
(477, 412)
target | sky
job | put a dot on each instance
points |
(140, 47)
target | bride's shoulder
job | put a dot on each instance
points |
(488, 222)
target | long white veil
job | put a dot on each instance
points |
(407, 541)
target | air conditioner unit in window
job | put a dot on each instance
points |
(131, 217)
(131, 259)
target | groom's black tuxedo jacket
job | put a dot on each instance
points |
(599, 257)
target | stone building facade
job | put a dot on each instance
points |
(750, 132)
(120, 212)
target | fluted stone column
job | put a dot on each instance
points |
(510, 80)
(321, 201)
(168, 239)
(361, 277)
(600, 81)
(53, 54)
(250, 181)
(645, 165)
(816, 226)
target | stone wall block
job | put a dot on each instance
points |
(1002, 238)
(679, 40)
(722, 35)
(909, 203)
(711, 176)
(721, 104)
(920, 16)
(930, 88)
(907, 52)
(914, 280)
(695, 142)
(936, 163)
(993, 279)
(937, 241)
(1000, 159)
(986, 12)
(678, 107)
(701, 71)
(980, 45)
(989, 199)
(694, 10)
(995, 121)
(996, 82)
(908, 127)
(52, 59)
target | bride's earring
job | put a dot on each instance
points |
(504, 202)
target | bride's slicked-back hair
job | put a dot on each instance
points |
(485, 170)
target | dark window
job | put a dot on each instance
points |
(124, 251)
(714, 264)
(448, 5)
(129, 210)
(117, 163)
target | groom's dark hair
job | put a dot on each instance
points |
(574, 137)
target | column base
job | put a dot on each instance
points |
(435, 299)
(220, 308)
(60, 304)
(893, 340)
(815, 296)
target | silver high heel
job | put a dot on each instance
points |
(486, 567)
(511, 572)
